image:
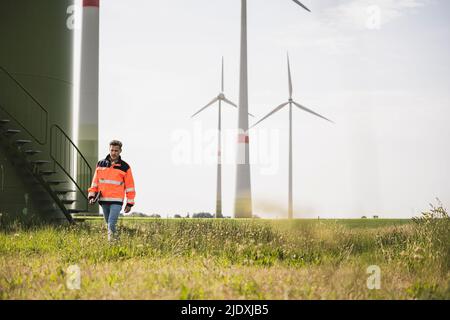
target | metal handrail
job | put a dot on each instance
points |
(27, 118)
(63, 152)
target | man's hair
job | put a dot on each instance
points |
(116, 143)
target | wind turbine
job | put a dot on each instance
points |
(243, 198)
(290, 103)
(221, 97)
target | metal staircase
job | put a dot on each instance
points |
(53, 169)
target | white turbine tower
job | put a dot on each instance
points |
(221, 97)
(89, 84)
(290, 103)
(243, 198)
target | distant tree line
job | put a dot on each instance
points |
(198, 215)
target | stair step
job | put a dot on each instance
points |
(32, 152)
(75, 210)
(10, 132)
(40, 162)
(4, 121)
(47, 172)
(22, 142)
(55, 182)
(68, 201)
(64, 191)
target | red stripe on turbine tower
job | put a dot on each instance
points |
(91, 3)
(243, 138)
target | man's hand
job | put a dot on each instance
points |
(91, 201)
(127, 209)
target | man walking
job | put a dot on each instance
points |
(112, 181)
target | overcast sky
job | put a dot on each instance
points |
(378, 68)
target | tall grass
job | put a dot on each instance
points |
(242, 259)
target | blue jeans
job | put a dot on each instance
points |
(111, 213)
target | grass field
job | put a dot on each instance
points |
(229, 259)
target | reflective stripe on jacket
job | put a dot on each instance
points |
(113, 181)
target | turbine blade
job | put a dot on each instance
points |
(310, 111)
(290, 78)
(270, 114)
(234, 105)
(212, 102)
(229, 102)
(222, 77)
(301, 5)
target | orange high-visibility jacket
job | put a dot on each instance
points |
(113, 181)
